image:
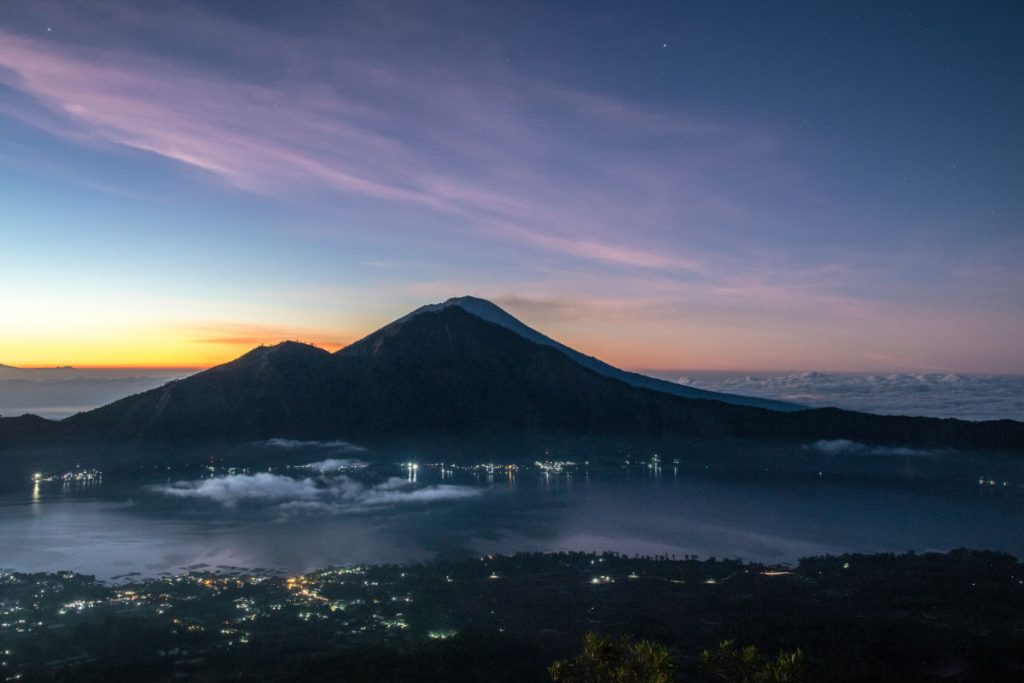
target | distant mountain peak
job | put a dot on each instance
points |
(482, 308)
(14, 370)
(285, 346)
(292, 345)
(468, 299)
(288, 348)
(492, 313)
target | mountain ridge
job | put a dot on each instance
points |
(446, 371)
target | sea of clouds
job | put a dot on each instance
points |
(328, 492)
(59, 392)
(56, 393)
(969, 397)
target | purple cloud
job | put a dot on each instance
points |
(490, 152)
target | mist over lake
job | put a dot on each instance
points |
(831, 498)
(936, 394)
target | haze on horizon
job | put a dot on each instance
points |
(662, 186)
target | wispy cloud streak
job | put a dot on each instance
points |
(468, 146)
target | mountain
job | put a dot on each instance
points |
(488, 311)
(437, 372)
(12, 372)
(445, 370)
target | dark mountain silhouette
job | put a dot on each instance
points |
(13, 372)
(488, 311)
(446, 371)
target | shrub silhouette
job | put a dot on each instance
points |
(604, 660)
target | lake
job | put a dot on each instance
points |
(343, 513)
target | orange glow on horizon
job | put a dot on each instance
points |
(190, 349)
(144, 366)
(185, 347)
(162, 349)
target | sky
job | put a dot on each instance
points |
(772, 186)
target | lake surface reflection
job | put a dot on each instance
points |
(301, 521)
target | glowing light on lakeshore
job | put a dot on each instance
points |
(441, 635)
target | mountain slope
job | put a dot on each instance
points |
(448, 371)
(287, 388)
(488, 311)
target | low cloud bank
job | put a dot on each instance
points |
(336, 494)
(290, 444)
(233, 489)
(59, 392)
(844, 447)
(968, 397)
(334, 465)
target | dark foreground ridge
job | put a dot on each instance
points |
(446, 371)
(910, 617)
